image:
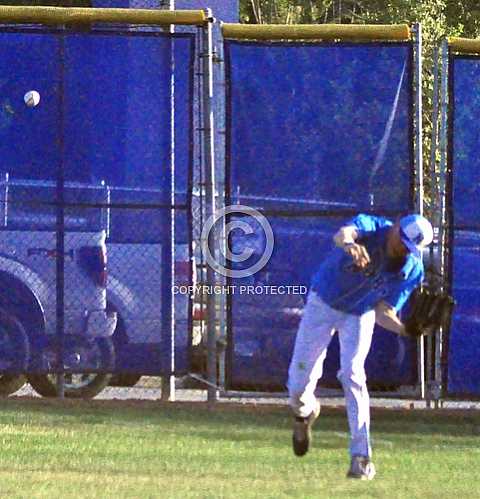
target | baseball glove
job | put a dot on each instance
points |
(429, 310)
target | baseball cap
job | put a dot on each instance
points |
(416, 233)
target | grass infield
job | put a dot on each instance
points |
(144, 449)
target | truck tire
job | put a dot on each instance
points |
(11, 383)
(79, 385)
(14, 353)
(120, 340)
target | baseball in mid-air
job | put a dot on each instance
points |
(32, 98)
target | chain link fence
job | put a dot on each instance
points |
(96, 212)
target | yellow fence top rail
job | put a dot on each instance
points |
(352, 32)
(63, 15)
(465, 45)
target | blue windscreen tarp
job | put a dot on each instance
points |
(465, 75)
(330, 124)
(105, 121)
(464, 338)
(315, 133)
(118, 107)
(463, 349)
(29, 136)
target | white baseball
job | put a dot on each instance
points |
(32, 98)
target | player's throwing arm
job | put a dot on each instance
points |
(346, 238)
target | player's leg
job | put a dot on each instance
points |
(306, 366)
(355, 337)
(313, 337)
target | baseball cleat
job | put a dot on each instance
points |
(361, 468)
(302, 432)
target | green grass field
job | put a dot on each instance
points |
(139, 449)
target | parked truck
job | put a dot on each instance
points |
(29, 281)
(113, 311)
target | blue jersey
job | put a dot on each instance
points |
(345, 287)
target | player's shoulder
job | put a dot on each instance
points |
(369, 223)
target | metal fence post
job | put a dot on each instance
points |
(431, 340)
(209, 162)
(436, 221)
(220, 137)
(442, 187)
(168, 381)
(417, 30)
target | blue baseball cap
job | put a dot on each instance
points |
(416, 233)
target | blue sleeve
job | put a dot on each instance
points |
(368, 223)
(398, 296)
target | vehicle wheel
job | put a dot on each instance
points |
(14, 353)
(76, 385)
(127, 380)
(11, 383)
(120, 340)
(100, 356)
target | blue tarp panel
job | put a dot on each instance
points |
(315, 133)
(328, 123)
(464, 338)
(120, 101)
(465, 74)
(29, 145)
(464, 194)
(105, 115)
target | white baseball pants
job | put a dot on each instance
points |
(319, 323)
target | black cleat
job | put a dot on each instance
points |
(302, 432)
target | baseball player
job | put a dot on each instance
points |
(366, 278)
